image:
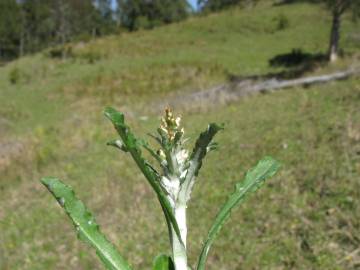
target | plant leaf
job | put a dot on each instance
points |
(254, 178)
(163, 262)
(85, 224)
(117, 144)
(153, 153)
(201, 145)
(201, 148)
(133, 146)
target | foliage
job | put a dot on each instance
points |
(15, 75)
(282, 22)
(214, 5)
(31, 25)
(172, 186)
(163, 262)
(341, 6)
(254, 179)
(9, 27)
(140, 14)
(85, 224)
(337, 9)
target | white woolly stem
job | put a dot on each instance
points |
(178, 249)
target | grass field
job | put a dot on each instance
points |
(51, 123)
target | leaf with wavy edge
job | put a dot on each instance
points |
(254, 179)
(85, 224)
(202, 146)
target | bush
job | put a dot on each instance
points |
(14, 75)
(60, 52)
(282, 22)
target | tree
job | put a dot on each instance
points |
(215, 5)
(136, 14)
(338, 8)
(27, 26)
(62, 13)
(9, 29)
(104, 7)
(37, 25)
(103, 17)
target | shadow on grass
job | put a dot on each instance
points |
(297, 58)
(295, 64)
(287, 2)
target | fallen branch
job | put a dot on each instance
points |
(307, 81)
(225, 93)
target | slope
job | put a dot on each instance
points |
(307, 218)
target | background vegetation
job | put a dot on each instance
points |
(51, 123)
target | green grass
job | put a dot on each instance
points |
(132, 68)
(307, 217)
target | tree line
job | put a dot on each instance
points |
(28, 26)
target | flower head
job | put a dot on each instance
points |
(170, 125)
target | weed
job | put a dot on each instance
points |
(282, 22)
(14, 75)
(173, 186)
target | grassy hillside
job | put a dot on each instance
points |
(51, 124)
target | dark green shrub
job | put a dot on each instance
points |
(14, 75)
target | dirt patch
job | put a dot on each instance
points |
(4, 125)
(10, 151)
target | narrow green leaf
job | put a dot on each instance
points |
(133, 145)
(254, 178)
(85, 224)
(163, 262)
(202, 146)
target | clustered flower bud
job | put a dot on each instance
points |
(170, 125)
